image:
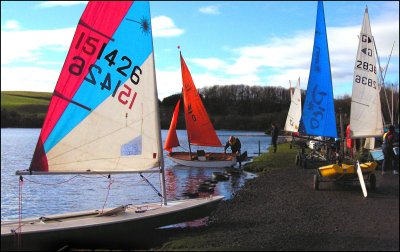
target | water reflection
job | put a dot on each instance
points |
(45, 195)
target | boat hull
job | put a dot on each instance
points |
(87, 229)
(335, 171)
(210, 160)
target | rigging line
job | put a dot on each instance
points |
(52, 184)
(383, 80)
(152, 186)
(110, 181)
(21, 183)
(387, 65)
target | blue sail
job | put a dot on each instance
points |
(318, 117)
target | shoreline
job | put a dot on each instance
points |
(280, 210)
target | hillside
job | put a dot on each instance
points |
(230, 107)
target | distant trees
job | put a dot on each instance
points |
(237, 107)
(230, 107)
(13, 119)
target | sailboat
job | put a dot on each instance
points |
(294, 113)
(200, 130)
(365, 111)
(103, 118)
(318, 115)
(293, 116)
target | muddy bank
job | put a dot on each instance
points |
(280, 210)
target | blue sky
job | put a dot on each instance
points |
(227, 42)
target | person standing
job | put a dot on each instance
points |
(235, 145)
(390, 158)
(274, 136)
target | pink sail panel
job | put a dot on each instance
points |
(199, 127)
(172, 138)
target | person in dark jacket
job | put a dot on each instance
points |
(274, 136)
(235, 145)
(390, 158)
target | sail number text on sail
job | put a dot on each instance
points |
(88, 43)
(190, 111)
(318, 111)
(366, 66)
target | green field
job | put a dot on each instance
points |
(23, 109)
(24, 102)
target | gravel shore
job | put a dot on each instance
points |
(280, 210)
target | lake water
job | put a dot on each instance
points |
(55, 194)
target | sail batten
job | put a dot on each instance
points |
(103, 116)
(318, 116)
(200, 130)
(365, 113)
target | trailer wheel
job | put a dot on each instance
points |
(372, 181)
(316, 182)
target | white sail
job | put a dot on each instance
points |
(366, 114)
(294, 114)
(369, 143)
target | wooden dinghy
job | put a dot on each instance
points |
(91, 228)
(199, 127)
(208, 160)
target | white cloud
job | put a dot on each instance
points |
(168, 82)
(164, 26)
(271, 63)
(15, 48)
(212, 10)
(211, 64)
(287, 58)
(51, 4)
(12, 25)
(39, 79)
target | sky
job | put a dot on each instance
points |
(263, 43)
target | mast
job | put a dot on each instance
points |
(160, 150)
(187, 131)
(341, 134)
(183, 100)
(384, 76)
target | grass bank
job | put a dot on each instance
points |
(284, 157)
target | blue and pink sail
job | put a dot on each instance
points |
(103, 115)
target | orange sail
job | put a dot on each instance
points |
(199, 127)
(172, 138)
